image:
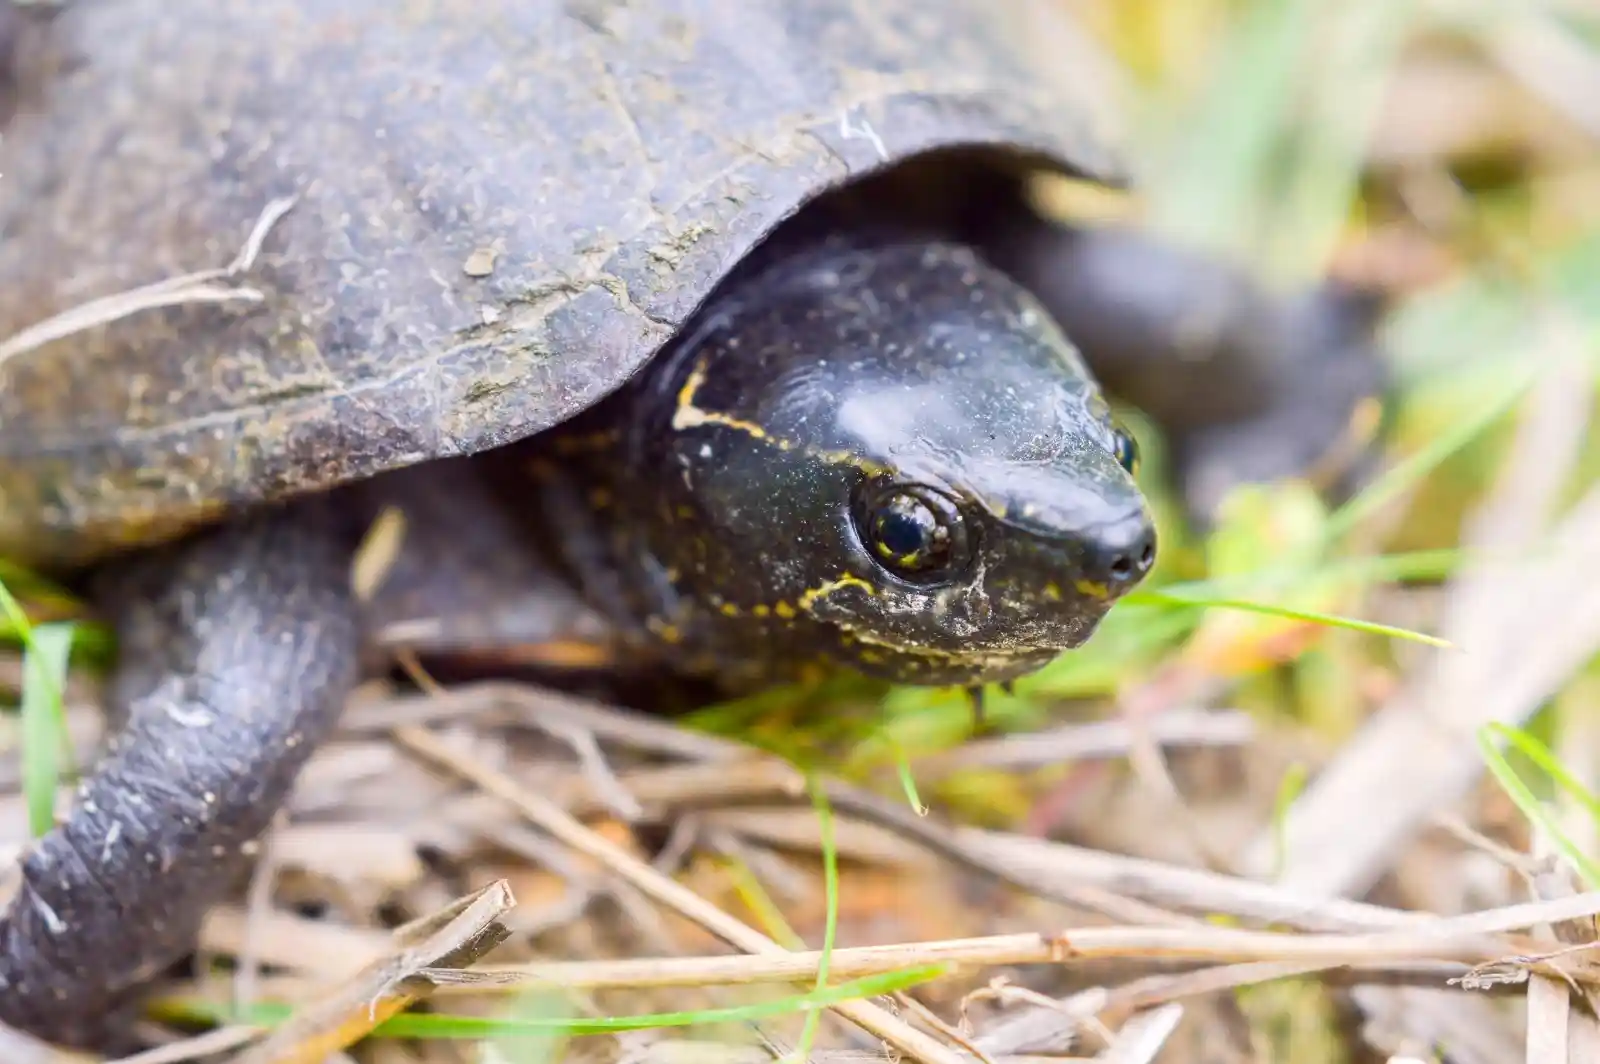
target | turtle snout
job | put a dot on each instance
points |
(1121, 553)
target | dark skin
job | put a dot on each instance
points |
(879, 453)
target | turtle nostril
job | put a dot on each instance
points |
(1133, 561)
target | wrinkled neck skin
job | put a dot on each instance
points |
(719, 507)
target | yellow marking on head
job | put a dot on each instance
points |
(823, 590)
(1092, 589)
(728, 609)
(1052, 591)
(784, 609)
(854, 461)
(599, 498)
(688, 415)
(760, 609)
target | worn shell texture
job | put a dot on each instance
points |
(611, 159)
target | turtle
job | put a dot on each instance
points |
(722, 339)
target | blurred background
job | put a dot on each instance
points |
(1393, 697)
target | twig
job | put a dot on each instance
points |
(1093, 740)
(1468, 939)
(505, 701)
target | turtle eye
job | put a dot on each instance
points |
(1126, 449)
(913, 532)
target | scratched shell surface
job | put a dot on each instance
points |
(612, 158)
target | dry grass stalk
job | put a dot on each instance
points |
(198, 287)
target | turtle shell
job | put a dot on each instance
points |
(501, 209)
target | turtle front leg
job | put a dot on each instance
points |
(237, 650)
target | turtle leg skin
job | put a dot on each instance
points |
(237, 650)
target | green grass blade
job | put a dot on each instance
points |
(1526, 801)
(1434, 564)
(1414, 468)
(439, 1025)
(1546, 761)
(46, 652)
(1331, 620)
(15, 616)
(908, 783)
(830, 879)
(44, 673)
(754, 894)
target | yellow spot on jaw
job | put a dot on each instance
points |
(1092, 589)
(784, 610)
(978, 661)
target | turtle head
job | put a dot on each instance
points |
(895, 460)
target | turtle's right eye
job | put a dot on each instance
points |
(914, 532)
(1126, 449)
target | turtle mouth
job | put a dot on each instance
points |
(1055, 633)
